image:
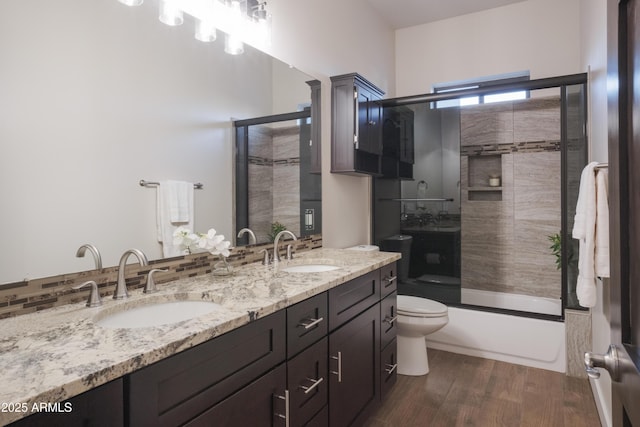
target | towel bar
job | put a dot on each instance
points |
(143, 183)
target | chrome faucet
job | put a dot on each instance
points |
(94, 295)
(252, 236)
(94, 251)
(121, 287)
(276, 255)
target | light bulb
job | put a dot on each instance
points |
(205, 31)
(233, 45)
(131, 2)
(170, 13)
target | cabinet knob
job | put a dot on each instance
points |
(390, 320)
(284, 416)
(339, 371)
(315, 384)
(391, 368)
(372, 123)
(311, 323)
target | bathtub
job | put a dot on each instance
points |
(511, 301)
(520, 340)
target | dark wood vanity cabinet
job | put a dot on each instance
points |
(325, 361)
(356, 128)
(354, 359)
(176, 390)
(99, 407)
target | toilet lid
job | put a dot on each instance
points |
(416, 306)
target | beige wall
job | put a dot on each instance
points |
(593, 34)
(542, 36)
(323, 39)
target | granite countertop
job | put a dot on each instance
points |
(58, 353)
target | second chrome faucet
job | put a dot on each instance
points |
(121, 287)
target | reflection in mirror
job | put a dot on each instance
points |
(102, 96)
(277, 187)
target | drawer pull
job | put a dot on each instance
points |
(315, 384)
(285, 417)
(311, 324)
(390, 368)
(390, 279)
(339, 371)
(390, 320)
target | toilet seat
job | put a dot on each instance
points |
(420, 307)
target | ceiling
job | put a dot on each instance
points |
(407, 13)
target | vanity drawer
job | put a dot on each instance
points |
(307, 322)
(307, 382)
(174, 390)
(388, 317)
(388, 368)
(352, 298)
(389, 278)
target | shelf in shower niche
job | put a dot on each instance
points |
(485, 189)
(484, 194)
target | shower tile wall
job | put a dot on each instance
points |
(286, 177)
(505, 246)
(274, 185)
(260, 181)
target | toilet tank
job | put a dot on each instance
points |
(399, 243)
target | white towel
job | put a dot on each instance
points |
(602, 224)
(584, 229)
(174, 202)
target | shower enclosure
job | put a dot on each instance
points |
(490, 204)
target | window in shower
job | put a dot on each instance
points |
(465, 85)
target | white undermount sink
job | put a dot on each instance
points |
(310, 268)
(157, 314)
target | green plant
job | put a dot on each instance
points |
(276, 227)
(556, 248)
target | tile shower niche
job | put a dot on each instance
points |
(485, 178)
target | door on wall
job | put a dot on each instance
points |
(623, 359)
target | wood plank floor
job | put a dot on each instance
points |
(470, 391)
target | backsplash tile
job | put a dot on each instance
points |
(29, 296)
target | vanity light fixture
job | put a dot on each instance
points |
(243, 21)
(170, 13)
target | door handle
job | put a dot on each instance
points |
(339, 371)
(608, 361)
(286, 416)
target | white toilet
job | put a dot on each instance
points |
(417, 318)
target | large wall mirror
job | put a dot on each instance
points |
(97, 96)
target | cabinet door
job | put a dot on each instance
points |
(100, 407)
(307, 383)
(388, 316)
(388, 279)
(306, 323)
(369, 126)
(178, 388)
(354, 366)
(388, 368)
(260, 404)
(406, 137)
(353, 297)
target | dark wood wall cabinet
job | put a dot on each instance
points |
(326, 361)
(356, 126)
(397, 143)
